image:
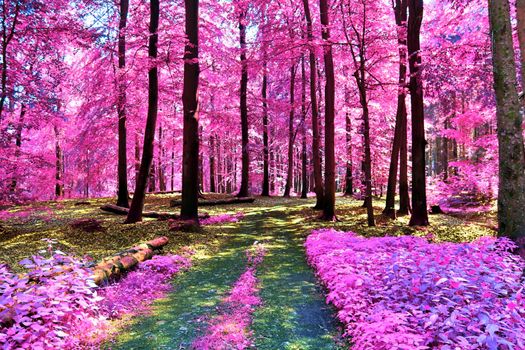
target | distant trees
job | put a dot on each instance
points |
(190, 165)
(511, 198)
(137, 203)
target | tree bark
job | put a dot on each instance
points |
(400, 11)
(212, 164)
(59, 187)
(18, 143)
(137, 203)
(349, 183)
(190, 169)
(244, 191)
(266, 171)
(316, 155)
(7, 36)
(122, 192)
(289, 174)
(304, 159)
(329, 186)
(511, 197)
(419, 197)
(160, 167)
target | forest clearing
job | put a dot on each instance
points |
(238, 174)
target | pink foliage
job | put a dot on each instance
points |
(222, 218)
(137, 289)
(229, 329)
(406, 293)
(56, 305)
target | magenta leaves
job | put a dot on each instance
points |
(406, 293)
(56, 305)
(230, 329)
(222, 218)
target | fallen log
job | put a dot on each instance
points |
(115, 209)
(125, 260)
(223, 201)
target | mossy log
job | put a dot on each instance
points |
(211, 202)
(115, 209)
(125, 260)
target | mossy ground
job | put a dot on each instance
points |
(293, 315)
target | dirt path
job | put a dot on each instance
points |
(294, 314)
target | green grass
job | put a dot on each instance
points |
(294, 314)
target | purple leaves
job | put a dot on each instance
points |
(418, 295)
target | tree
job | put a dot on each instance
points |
(266, 151)
(190, 168)
(122, 193)
(244, 191)
(291, 134)
(137, 203)
(511, 197)
(399, 144)
(329, 184)
(304, 159)
(419, 197)
(316, 155)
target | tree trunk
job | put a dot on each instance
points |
(152, 178)
(137, 204)
(212, 164)
(329, 186)
(511, 197)
(7, 36)
(289, 175)
(367, 162)
(266, 172)
(419, 197)
(160, 167)
(316, 155)
(190, 168)
(520, 15)
(18, 143)
(349, 185)
(122, 192)
(304, 159)
(400, 11)
(59, 187)
(244, 191)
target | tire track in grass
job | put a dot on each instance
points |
(293, 314)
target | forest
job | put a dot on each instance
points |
(257, 174)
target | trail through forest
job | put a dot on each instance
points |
(293, 314)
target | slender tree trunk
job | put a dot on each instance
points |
(137, 203)
(7, 36)
(400, 11)
(137, 158)
(18, 142)
(266, 173)
(419, 197)
(220, 163)
(316, 155)
(212, 164)
(349, 183)
(122, 192)
(160, 168)
(289, 175)
(404, 198)
(244, 191)
(445, 152)
(520, 15)
(304, 159)
(190, 169)
(152, 178)
(511, 197)
(367, 162)
(329, 186)
(59, 187)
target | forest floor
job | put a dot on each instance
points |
(293, 314)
